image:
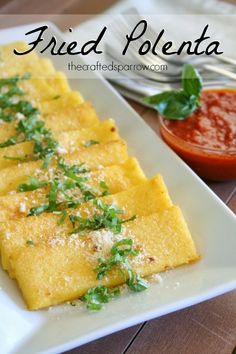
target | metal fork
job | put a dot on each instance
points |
(176, 59)
(204, 65)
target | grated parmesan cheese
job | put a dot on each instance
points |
(4, 90)
(61, 150)
(7, 235)
(19, 116)
(22, 208)
(15, 99)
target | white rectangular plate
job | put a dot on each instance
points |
(212, 224)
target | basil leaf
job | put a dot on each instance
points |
(191, 81)
(38, 209)
(176, 105)
(159, 97)
(90, 143)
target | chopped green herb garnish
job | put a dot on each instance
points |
(179, 104)
(19, 158)
(10, 103)
(29, 126)
(135, 282)
(105, 188)
(107, 217)
(9, 142)
(99, 295)
(37, 210)
(30, 243)
(33, 184)
(57, 188)
(63, 217)
(120, 253)
(77, 169)
(90, 143)
(56, 97)
(60, 187)
(44, 144)
(11, 81)
(52, 196)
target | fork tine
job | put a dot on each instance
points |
(221, 71)
(227, 60)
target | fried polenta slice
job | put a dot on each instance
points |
(42, 68)
(8, 56)
(39, 89)
(96, 157)
(12, 64)
(44, 82)
(68, 102)
(69, 142)
(56, 267)
(117, 178)
(81, 115)
(102, 132)
(77, 116)
(143, 199)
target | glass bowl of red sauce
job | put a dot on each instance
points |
(206, 140)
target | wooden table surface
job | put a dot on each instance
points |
(206, 328)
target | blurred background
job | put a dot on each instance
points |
(55, 8)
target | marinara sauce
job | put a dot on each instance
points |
(206, 139)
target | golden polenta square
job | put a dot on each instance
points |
(69, 142)
(7, 52)
(62, 119)
(39, 89)
(97, 156)
(12, 65)
(145, 198)
(116, 177)
(59, 268)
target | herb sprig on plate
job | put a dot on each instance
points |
(120, 253)
(178, 104)
(99, 295)
(119, 259)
